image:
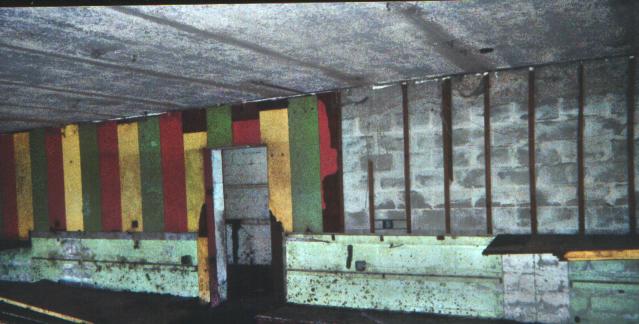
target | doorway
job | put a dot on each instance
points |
(249, 237)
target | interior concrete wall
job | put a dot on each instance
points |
(372, 130)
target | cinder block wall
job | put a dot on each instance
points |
(536, 109)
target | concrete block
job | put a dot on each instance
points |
(557, 220)
(555, 152)
(556, 130)
(556, 195)
(390, 214)
(428, 221)
(519, 263)
(468, 221)
(557, 86)
(356, 221)
(553, 307)
(607, 220)
(511, 220)
(605, 172)
(510, 134)
(513, 176)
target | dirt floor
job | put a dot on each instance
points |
(102, 306)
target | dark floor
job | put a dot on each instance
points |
(101, 306)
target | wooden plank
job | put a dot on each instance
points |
(617, 271)
(371, 196)
(209, 231)
(194, 143)
(150, 250)
(581, 196)
(630, 132)
(219, 130)
(305, 164)
(90, 167)
(217, 229)
(203, 268)
(111, 209)
(8, 197)
(173, 174)
(275, 134)
(55, 179)
(39, 180)
(447, 129)
(24, 190)
(72, 166)
(558, 244)
(632, 254)
(151, 171)
(407, 177)
(130, 181)
(48, 312)
(487, 163)
(531, 152)
(413, 255)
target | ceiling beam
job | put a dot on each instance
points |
(55, 110)
(229, 40)
(445, 44)
(135, 70)
(93, 94)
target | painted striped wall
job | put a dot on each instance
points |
(148, 175)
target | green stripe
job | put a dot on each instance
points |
(305, 164)
(39, 180)
(218, 125)
(90, 161)
(151, 175)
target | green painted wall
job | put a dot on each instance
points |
(305, 164)
(164, 265)
(39, 180)
(151, 175)
(15, 265)
(402, 273)
(604, 291)
(89, 159)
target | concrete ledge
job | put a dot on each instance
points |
(116, 235)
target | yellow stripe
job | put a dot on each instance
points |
(632, 254)
(274, 132)
(203, 269)
(43, 311)
(194, 169)
(130, 184)
(23, 184)
(72, 178)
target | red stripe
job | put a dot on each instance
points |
(246, 132)
(8, 188)
(329, 168)
(210, 229)
(173, 174)
(328, 155)
(111, 205)
(55, 179)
